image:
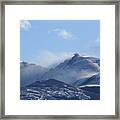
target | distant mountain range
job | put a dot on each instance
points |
(75, 78)
(30, 73)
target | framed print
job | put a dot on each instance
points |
(60, 59)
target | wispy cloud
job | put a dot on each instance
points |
(47, 58)
(62, 33)
(25, 24)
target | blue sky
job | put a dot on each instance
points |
(46, 41)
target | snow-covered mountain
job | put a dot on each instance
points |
(76, 78)
(74, 69)
(30, 73)
(94, 80)
(56, 90)
(53, 90)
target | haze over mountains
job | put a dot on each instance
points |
(30, 73)
(76, 78)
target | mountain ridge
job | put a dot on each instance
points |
(76, 78)
(70, 71)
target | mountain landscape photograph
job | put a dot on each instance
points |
(59, 60)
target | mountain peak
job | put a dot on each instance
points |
(76, 55)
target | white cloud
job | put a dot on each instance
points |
(47, 58)
(25, 24)
(64, 34)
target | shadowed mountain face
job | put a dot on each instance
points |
(48, 83)
(94, 80)
(56, 90)
(75, 79)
